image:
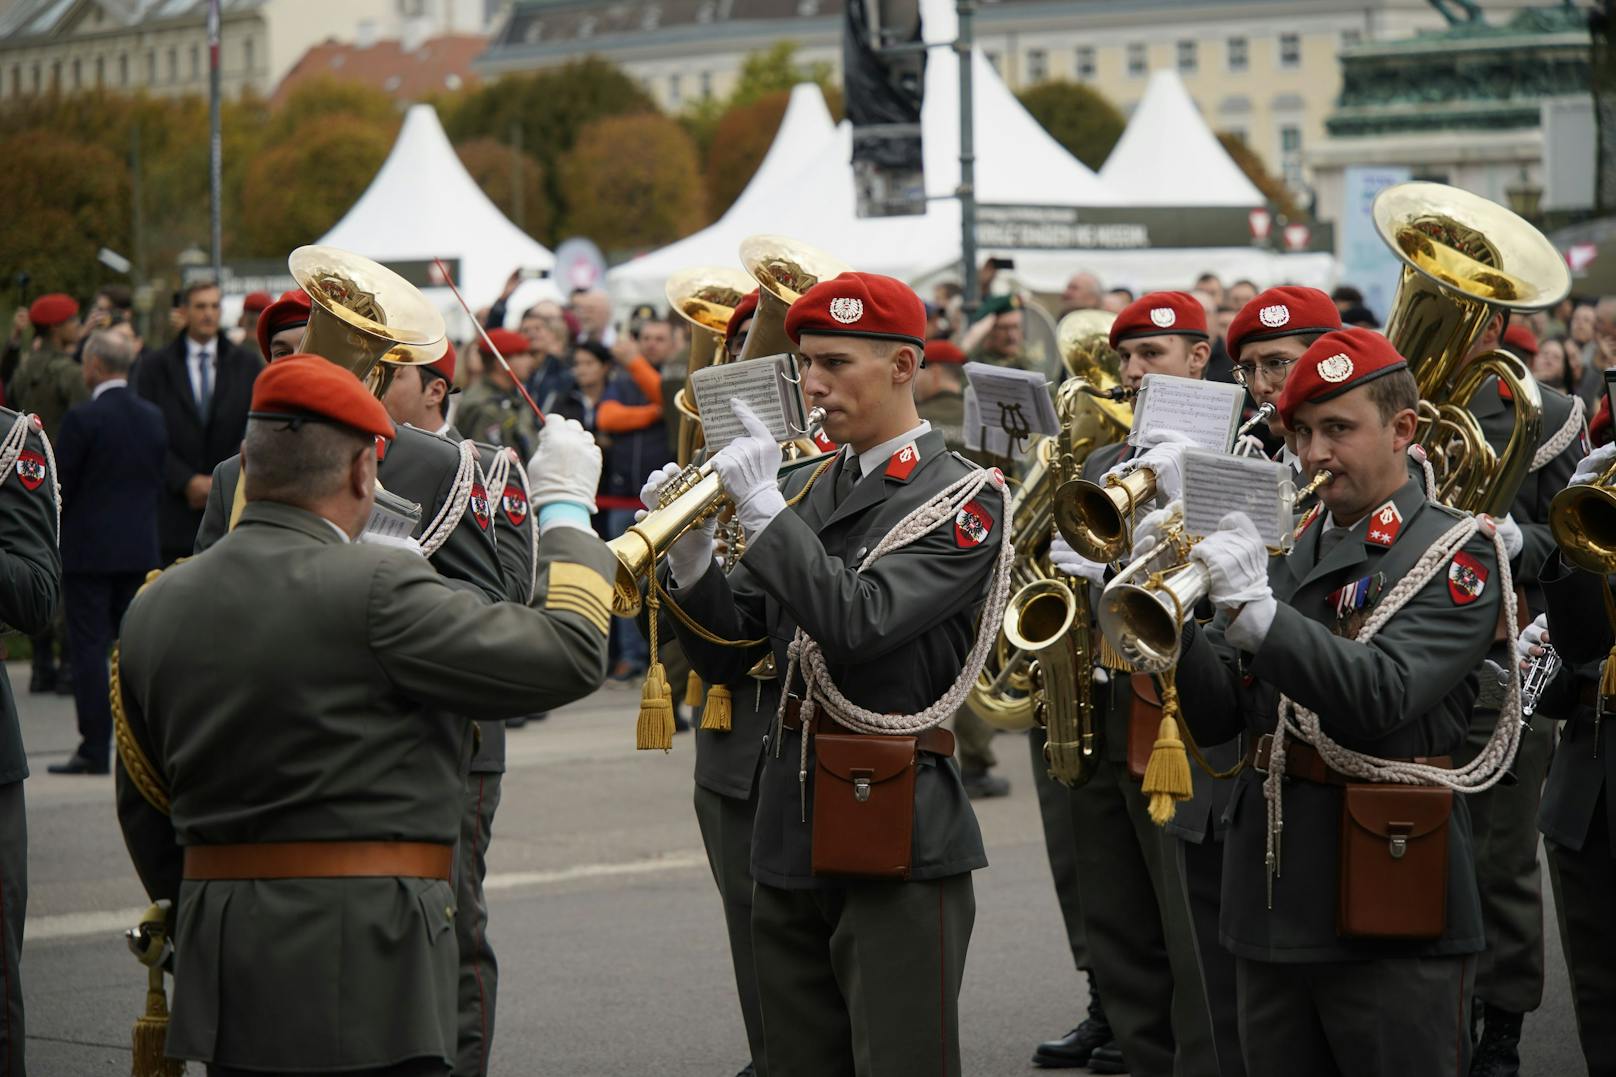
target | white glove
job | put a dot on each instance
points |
(397, 542)
(1148, 531)
(1532, 640)
(1165, 456)
(692, 551)
(1510, 532)
(749, 467)
(654, 482)
(566, 466)
(1236, 559)
(1070, 562)
(1590, 467)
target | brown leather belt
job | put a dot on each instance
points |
(936, 740)
(319, 860)
(1303, 761)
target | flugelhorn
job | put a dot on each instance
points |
(784, 268)
(1583, 519)
(365, 317)
(705, 297)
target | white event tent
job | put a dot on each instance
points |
(423, 205)
(1167, 156)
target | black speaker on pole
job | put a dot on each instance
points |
(884, 79)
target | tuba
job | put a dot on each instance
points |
(365, 317)
(783, 269)
(1465, 259)
(706, 298)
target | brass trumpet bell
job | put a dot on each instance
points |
(784, 268)
(1144, 621)
(687, 501)
(363, 315)
(1583, 519)
(1098, 519)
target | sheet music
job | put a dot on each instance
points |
(1015, 401)
(1208, 412)
(767, 385)
(1216, 484)
(392, 516)
(980, 438)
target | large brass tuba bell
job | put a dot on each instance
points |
(1095, 518)
(365, 317)
(705, 297)
(784, 268)
(1465, 259)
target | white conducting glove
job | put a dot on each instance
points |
(1164, 454)
(566, 467)
(1236, 559)
(1533, 638)
(1510, 532)
(692, 551)
(1591, 466)
(1148, 531)
(1071, 563)
(750, 468)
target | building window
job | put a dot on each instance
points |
(1351, 39)
(56, 75)
(151, 67)
(1037, 65)
(1186, 57)
(1239, 54)
(1085, 62)
(78, 73)
(1290, 50)
(16, 80)
(196, 62)
(123, 69)
(675, 89)
(173, 64)
(706, 78)
(37, 83)
(247, 54)
(100, 71)
(1138, 65)
(1290, 154)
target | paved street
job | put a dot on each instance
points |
(609, 933)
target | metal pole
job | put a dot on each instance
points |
(966, 9)
(215, 179)
(518, 210)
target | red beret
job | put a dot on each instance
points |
(288, 312)
(1160, 314)
(743, 310)
(859, 305)
(445, 367)
(1287, 311)
(1520, 339)
(52, 309)
(944, 352)
(509, 342)
(1337, 363)
(255, 301)
(307, 386)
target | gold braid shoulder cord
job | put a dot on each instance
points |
(1480, 773)
(141, 772)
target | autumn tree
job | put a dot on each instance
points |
(763, 75)
(1273, 188)
(512, 180)
(634, 183)
(740, 142)
(1077, 116)
(65, 199)
(302, 186)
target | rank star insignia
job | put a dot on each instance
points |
(31, 469)
(1163, 317)
(1275, 316)
(846, 310)
(972, 525)
(479, 505)
(903, 462)
(514, 504)
(1384, 524)
(1467, 579)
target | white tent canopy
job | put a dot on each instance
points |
(423, 204)
(1168, 156)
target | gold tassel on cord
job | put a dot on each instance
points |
(693, 689)
(655, 727)
(1167, 774)
(151, 1033)
(716, 714)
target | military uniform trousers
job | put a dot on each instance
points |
(973, 738)
(479, 971)
(1060, 843)
(1200, 866)
(13, 909)
(1509, 973)
(890, 989)
(726, 833)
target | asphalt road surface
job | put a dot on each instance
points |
(611, 944)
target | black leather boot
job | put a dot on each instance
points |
(1073, 1050)
(1499, 1052)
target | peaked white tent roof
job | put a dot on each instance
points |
(1199, 172)
(423, 204)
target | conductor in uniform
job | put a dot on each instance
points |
(855, 974)
(1326, 983)
(309, 856)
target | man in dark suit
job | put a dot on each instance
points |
(110, 456)
(203, 385)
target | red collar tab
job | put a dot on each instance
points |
(1307, 518)
(381, 449)
(903, 463)
(825, 444)
(1384, 525)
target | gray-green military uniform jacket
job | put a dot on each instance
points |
(369, 650)
(913, 610)
(47, 383)
(1406, 693)
(503, 418)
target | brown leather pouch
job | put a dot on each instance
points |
(1394, 861)
(864, 805)
(1144, 720)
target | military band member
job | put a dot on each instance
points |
(854, 974)
(1578, 815)
(1133, 890)
(1268, 336)
(493, 410)
(280, 326)
(309, 857)
(30, 589)
(1313, 999)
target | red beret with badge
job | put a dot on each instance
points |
(1521, 340)
(255, 302)
(445, 367)
(1287, 311)
(509, 342)
(52, 310)
(859, 305)
(944, 352)
(1337, 363)
(306, 387)
(290, 311)
(743, 310)
(1160, 314)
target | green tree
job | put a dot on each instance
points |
(319, 98)
(1077, 116)
(301, 187)
(635, 183)
(64, 200)
(740, 141)
(762, 75)
(501, 171)
(1272, 187)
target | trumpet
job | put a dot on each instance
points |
(687, 500)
